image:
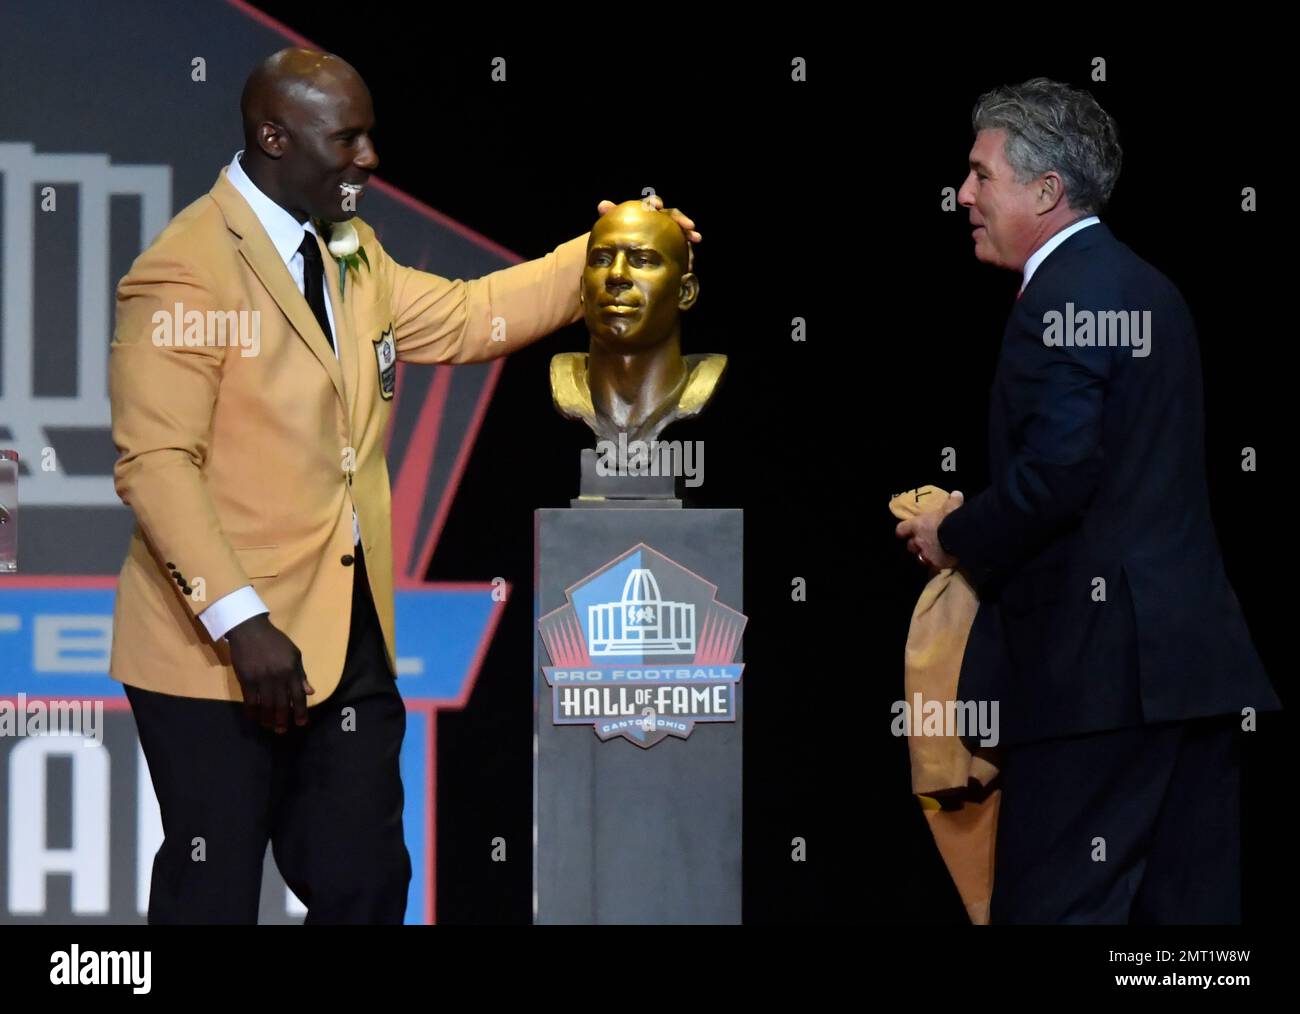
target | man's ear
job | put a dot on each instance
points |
(1049, 191)
(689, 292)
(272, 139)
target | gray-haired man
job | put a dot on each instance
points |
(1107, 629)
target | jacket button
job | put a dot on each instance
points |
(180, 581)
(171, 567)
(346, 560)
(188, 590)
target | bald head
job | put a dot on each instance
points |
(307, 120)
(286, 81)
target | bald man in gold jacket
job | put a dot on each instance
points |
(259, 579)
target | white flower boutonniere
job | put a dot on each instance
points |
(345, 247)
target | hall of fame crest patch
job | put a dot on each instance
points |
(386, 363)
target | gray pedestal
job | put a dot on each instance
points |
(625, 833)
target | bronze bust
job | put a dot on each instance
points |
(634, 380)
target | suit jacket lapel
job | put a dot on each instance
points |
(255, 246)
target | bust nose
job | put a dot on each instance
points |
(618, 269)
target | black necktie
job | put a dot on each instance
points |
(313, 279)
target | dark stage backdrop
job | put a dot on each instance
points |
(819, 200)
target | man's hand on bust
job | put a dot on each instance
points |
(269, 667)
(687, 226)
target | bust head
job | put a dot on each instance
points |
(637, 280)
(634, 380)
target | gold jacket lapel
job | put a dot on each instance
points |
(255, 246)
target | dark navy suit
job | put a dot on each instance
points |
(1107, 629)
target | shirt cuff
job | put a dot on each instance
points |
(231, 610)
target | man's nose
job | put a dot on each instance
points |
(966, 195)
(368, 158)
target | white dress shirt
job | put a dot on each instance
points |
(286, 234)
(1040, 255)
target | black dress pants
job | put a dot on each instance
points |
(327, 796)
(1138, 825)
